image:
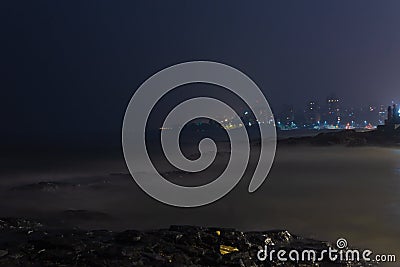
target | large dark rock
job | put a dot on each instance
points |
(28, 243)
(346, 138)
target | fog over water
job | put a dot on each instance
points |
(319, 192)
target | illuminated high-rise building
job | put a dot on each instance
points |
(312, 112)
(381, 114)
(333, 112)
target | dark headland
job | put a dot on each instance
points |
(382, 136)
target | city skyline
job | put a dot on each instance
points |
(332, 111)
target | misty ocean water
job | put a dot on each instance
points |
(319, 192)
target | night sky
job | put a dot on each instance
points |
(69, 68)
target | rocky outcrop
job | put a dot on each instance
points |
(347, 138)
(29, 243)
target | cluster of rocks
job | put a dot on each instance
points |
(55, 186)
(29, 243)
(346, 138)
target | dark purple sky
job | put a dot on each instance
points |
(70, 67)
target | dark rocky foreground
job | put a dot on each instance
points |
(29, 243)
